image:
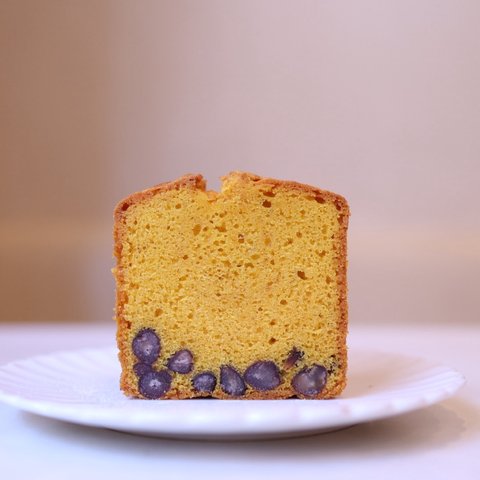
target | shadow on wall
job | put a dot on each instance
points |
(108, 98)
(55, 242)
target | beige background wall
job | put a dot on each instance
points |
(377, 100)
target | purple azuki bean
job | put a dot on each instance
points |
(154, 385)
(262, 375)
(146, 345)
(142, 368)
(231, 381)
(293, 357)
(204, 382)
(310, 381)
(181, 361)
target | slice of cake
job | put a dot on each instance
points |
(237, 294)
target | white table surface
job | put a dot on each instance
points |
(438, 442)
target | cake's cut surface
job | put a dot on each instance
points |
(237, 294)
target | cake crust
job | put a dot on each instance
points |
(197, 182)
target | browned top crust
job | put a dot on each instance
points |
(272, 183)
(197, 182)
(192, 181)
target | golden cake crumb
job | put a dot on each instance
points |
(236, 294)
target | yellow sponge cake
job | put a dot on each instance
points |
(233, 294)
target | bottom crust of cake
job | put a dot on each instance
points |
(295, 375)
(277, 394)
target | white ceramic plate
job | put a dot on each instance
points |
(82, 387)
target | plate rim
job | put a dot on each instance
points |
(103, 416)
